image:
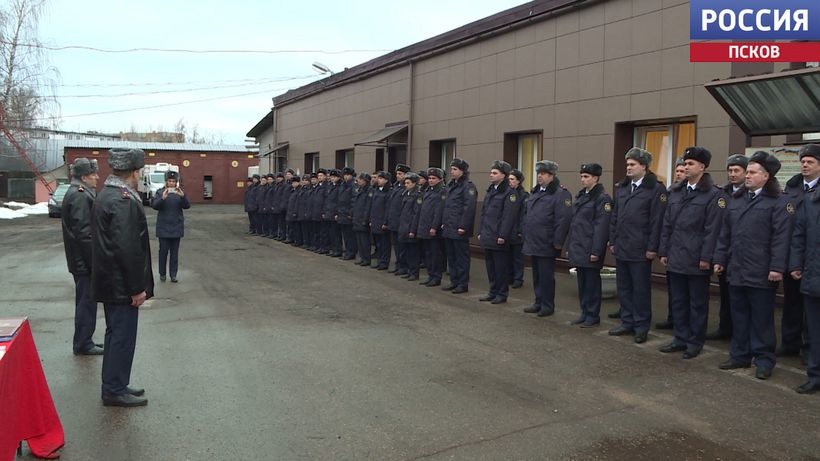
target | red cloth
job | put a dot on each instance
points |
(26, 409)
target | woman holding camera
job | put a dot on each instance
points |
(169, 202)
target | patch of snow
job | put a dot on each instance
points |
(39, 208)
(6, 213)
(16, 204)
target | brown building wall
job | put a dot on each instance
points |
(228, 170)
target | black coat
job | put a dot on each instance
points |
(250, 198)
(75, 214)
(459, 208)
(378, 209)
(281, 194)
(344, 206)
(637, 218)
(589, 228)
(170, 220)
(754, 238)
(121, 250)
(517, 238)
(431, 213)
(261, 198)
(362, 198)
(395, 205)
(331, 208)
(804, 254)
(317, 201)
(305, 197)
(409, 218)
(292, 210)
(267, 198)
(546, 220)
(691, 226)
(499, 213)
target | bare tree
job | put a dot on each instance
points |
(28, 90)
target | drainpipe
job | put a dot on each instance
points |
(412, 93)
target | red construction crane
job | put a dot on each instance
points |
(22, 151)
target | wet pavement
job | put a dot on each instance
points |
(266, 351)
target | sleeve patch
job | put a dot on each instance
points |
(513, 198)
(419, 200)
(471, 191)
(721, 202)
(790, 208)
(664, 198)
(607, 207)
(568, 202)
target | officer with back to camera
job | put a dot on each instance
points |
(75, 215)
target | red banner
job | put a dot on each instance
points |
(754, 51)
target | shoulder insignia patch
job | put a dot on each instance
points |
(471, 191)
(664, 198)
(419, 200)
(513, 198)
(607, 207)
(721, 202)
(80, 189)
(370, 194)
(790, 208)
(568, 202)
(443, 196)
(125, 193)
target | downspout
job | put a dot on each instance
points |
(275, 143)
(412, 93)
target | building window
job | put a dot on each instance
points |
(281, 160)
(442, 152)
(311, 162)
(379, 160)
(666, 144)
(344, 158)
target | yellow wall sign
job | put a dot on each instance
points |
(235, 164)
(186, 163)
(151, 154)
(240, 184)
(203, 155)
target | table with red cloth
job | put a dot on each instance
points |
(26, 409)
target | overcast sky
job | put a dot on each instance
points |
(221, 25)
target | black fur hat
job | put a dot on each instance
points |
(768, 161)
(592, 168)
(699, 154)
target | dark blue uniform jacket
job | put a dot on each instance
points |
(409, 219)
(170, 220)
(637, 218)
(805, 244)
(378, 209)
(589, 229)
(546, 220)
(498, 216)
(432, 210)
(362, 199)
(459, 208)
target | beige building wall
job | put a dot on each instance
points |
(570, 78)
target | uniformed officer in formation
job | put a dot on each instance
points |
(362, 201)
(736, 177)
(344, 213)
(395, 205)
(800, 185)
(330, 212)
(408, 243)
(378, 220)
(250, 203)
(457, 225)
(429, 230)
(804, 266)
(546, 223)
(680, 175)
(121, 277)
(690, 232)
(499, 213)
(587, 242)
(75, 214)
(634, 235)
(317, 206)
(754, 250)
(516, 242)
(293, 230)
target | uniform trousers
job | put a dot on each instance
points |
(410, 250)
(689, 295)
(725, 313)
(166, 247)
(401, 258)
(363, 245)
(85, 314)
(517, 260)
(498, 271)
(264, 223)
(791, 324)
(307, 233)
(458, 261)
(120, 343)
(349, 238)
(433, 256)
(383, 249)
(294, 232)
(633, 279)
(251, 221)
(753, 328)
(334, 237)
(812, 307)
(543, 282)
(589, 293)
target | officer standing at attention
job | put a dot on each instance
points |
(329, 214)
(378, 220)
(754, 249)
(546, 223)
(344, 213)
(690, 232)
(804, 265)
(635, 233)
(306, 211)
(362, 200)
(394, 216)
(294, 232)
(122, 279)
(250, 202)
(169, 202)
(736, 175)
(262, 223)
(408, 226)
(498, 214)
(75, 215)
(516, 180)
(586, 245)
(317, 207)
(792, 322)
(429, 230)
(680, 175)
(457, 225)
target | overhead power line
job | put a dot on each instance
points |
(190, 51)
(200, 82)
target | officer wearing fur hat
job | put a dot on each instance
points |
(736, 177)
(546, 223)
(344, 213)
(362, 200)
(293, 230)
(516, 180)
(378, 220)
(794, 340)
(317, 206)
(250, 202)
(394, 217)
(680, 175)
(305, 202)
(429, 230)
(75, 215)
(408, 226)
(586, 245)
(498, 215)
(634, 235)
(690, 232)
(330, 213)
(266, 211)
(457, 224)
(753, 250)
(122, 279)
(169, 203)
(262, 219)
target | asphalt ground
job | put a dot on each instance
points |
(267, 351)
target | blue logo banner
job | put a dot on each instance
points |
(754, 20)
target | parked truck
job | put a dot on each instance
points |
(152, 179)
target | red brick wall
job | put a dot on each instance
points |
(228, 180)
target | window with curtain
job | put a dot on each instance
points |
(529, 152)
(666, 144)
